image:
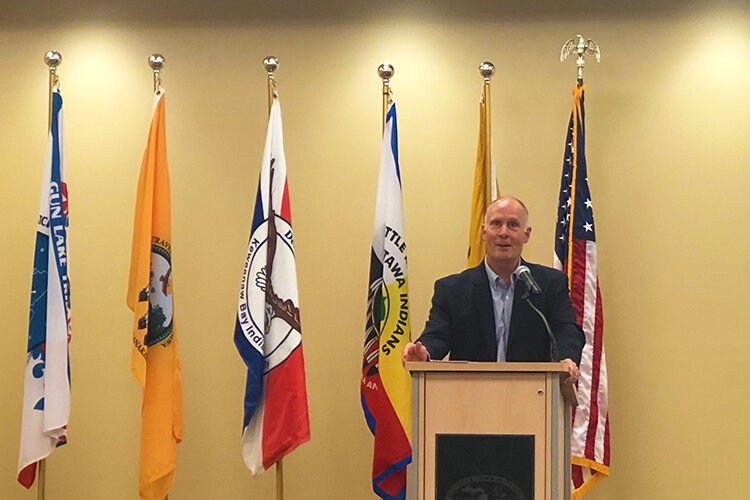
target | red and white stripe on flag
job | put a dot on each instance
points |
(590, 434)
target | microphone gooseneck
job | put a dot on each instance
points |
(532, 288)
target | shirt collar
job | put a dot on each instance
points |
(495, 280)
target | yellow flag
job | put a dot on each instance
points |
(155, 362)
(484, 192)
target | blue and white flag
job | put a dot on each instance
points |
(46, 401)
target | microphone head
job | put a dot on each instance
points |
(525, 274)
(522, 269)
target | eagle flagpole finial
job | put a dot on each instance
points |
(580, 46)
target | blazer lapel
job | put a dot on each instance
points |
(483, 306)
(519, 317)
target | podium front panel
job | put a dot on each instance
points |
(478, 405)
(471, 466)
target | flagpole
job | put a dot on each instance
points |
(594, 368)
(271, 64)
(41, 479)
(386, 71)
(579, 46)
(156, 62)
(52, 59)
(487, 69)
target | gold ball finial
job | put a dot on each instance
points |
(156, 62)
(386, 71)
(52, 59)
(486, 69)
(271, 64)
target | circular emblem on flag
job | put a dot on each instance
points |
(377, 313)
(269, 292)
(160, 296)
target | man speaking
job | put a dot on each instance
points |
(497, 311)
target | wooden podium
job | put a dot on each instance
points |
(492, 428)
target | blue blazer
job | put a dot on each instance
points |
(462, 319)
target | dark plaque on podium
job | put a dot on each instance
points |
(486, 467)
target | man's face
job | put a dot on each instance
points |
(505, 231)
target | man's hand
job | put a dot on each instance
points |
(414, 352)
(573, 372)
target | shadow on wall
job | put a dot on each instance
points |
(26, 13)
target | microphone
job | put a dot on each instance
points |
(532, 287)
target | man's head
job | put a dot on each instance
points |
(505, 231)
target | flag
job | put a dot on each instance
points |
(484, 191)
(154, 360)
(386, 386)
(267, 331)
(575, 254)
(46, 399)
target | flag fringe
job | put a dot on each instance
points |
(586, 487)
(591, 464)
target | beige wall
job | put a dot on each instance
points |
(668, 134)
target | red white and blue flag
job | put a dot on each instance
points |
(385, 386)
(46, 400)
(575, 254)
(268, 332)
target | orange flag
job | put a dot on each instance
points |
(155, 362)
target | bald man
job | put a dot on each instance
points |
(480, 314)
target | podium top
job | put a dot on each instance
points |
(569, 391)
(481, 366)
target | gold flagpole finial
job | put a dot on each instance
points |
(385, 72)
(156, 62)
(580, 46)
(271, 64)
(52, 59)
(487, 69)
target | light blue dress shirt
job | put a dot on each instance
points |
(502, 301)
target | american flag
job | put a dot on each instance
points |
(575, 254)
